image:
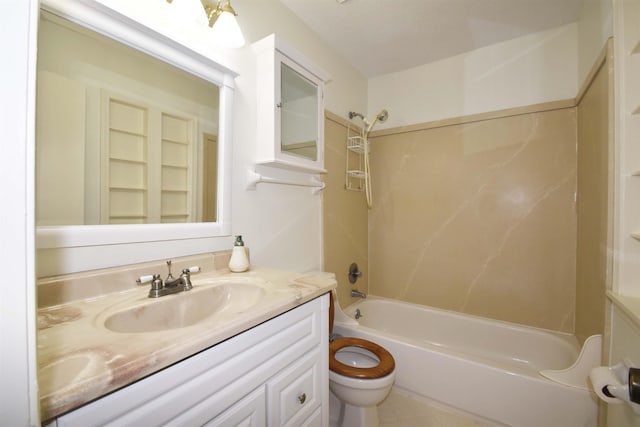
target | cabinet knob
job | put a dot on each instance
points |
(302, 398)
(279, 105)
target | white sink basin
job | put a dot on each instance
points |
(187, 308)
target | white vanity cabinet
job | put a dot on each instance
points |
(290, 119)
(274, 374)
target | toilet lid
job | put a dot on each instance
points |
(384, 368)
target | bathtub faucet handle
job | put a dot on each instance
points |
(354, 272)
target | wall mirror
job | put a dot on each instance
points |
(132, 132)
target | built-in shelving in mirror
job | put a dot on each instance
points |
(132, 132)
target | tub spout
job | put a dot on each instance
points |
(357, 293)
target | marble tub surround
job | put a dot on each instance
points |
(81, 359)
(479, 218)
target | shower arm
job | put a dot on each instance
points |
(353, 114)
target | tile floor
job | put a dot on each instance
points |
(401, 409)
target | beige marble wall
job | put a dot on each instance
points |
(593, 270)
(344, 215)
(479, 218)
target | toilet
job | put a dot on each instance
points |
(361, 374)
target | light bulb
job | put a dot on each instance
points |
(226, 31)
(189, 11)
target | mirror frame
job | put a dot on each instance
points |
(112, 24)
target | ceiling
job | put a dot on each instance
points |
(382, 36)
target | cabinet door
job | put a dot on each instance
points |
(248, 412)
(298, 108)
(290, 123)
(315, 420)
(299, 119)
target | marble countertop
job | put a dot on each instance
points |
(81, 359)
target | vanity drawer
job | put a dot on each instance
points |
(295, 393)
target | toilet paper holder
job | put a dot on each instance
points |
(633, 381)
(634, 385)
(609, 384)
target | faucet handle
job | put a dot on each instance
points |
(145, 279)
(354, 272)
(186, 276)
(193, 269)
(156, 284)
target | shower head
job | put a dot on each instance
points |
(382, 116)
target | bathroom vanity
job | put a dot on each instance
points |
(282, 361)
(258, 356)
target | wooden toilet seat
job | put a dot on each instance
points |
(384, 368)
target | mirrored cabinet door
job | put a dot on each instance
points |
(298, 108)
(291, 108)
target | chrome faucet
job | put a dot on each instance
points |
(357, 293)
(170, 285)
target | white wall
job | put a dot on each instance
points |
(594, 28)
(528, 70)
(546, 66)
(281, 225)
(18, 389)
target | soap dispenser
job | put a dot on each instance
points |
(239, 261)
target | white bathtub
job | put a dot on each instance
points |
(484, 367)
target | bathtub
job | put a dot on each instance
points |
(484, 367)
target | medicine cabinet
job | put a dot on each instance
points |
(290, 119)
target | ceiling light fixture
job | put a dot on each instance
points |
(221, 19)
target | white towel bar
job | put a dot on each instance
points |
(254, 178)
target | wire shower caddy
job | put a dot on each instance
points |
(355, 167)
